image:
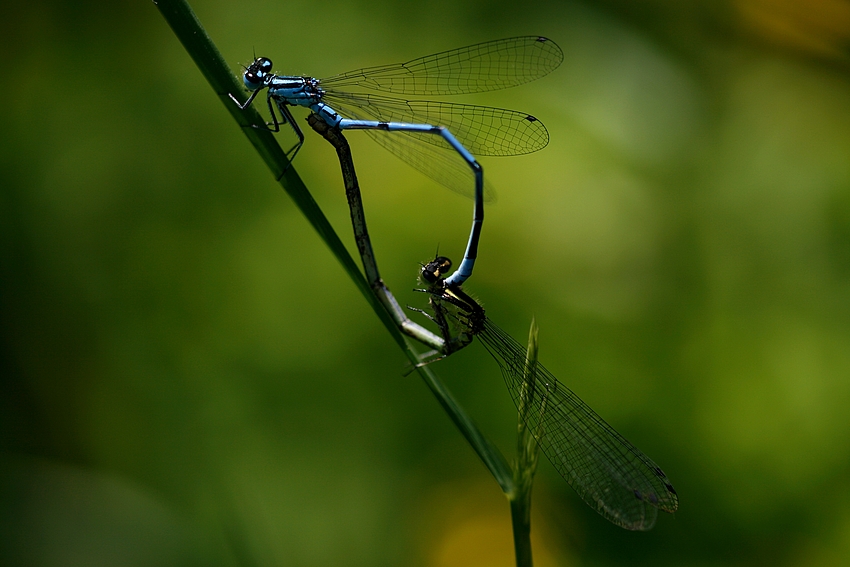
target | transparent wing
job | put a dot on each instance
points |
(429, 153)
(445, 166)
(610, 474)
(487, 66)
(483, 130)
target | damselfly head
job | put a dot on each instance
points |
(436, 269)
(257, 72)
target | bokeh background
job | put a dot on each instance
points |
(189, 378)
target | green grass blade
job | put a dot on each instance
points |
(206, 56)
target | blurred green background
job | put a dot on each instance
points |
(189, 378)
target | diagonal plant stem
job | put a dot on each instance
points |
(364, 244)
(206, 56)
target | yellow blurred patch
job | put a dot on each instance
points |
(818, 27)
(468, 524)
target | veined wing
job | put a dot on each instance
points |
(428, 153)
(445, 166)
(483, 130)
(609, 473)
(487, 66)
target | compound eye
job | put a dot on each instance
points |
(256, 73)
(436, 269)
(252, 80)
(264, 64)
(429, 276)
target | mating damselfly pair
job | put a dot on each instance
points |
(439, 139)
